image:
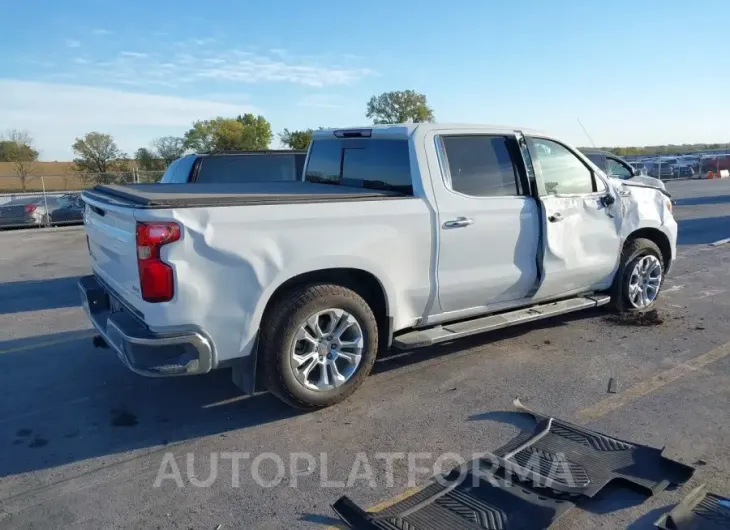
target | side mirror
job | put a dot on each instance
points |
(635, 172)
(608, 200)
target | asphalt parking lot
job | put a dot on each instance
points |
(83, 440)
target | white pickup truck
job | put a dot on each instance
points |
(400, 236)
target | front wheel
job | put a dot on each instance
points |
(318, 344)
(639, 278)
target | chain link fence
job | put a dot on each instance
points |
(55, 200)
(668, 166)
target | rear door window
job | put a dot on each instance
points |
(361, 163)
(481, 165)
(247, 168)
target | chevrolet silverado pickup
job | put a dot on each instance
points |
(399, 236)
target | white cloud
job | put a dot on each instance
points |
(196, 64)
(102, 31)
(72, 43)
(134, 55)
(57, 113)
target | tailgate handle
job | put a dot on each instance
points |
(97, 210)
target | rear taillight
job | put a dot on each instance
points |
(30, 208)
(156, 277)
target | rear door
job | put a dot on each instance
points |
(581, 228)
(488, 224)
(111, 231)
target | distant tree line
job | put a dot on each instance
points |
(671, 149)
(98, 159)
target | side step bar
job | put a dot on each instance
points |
(435, 335)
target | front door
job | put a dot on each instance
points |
(580, 220)
(488, 224)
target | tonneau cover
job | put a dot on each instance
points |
(231, 194)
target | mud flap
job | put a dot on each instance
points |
(699, 510)
(244, 374)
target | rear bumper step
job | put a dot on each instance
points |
(179, 352)
(431, 336)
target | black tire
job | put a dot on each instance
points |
(633, 251)
(279, 327)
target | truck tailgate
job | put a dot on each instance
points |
(111, 231)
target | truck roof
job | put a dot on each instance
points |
(405, 130)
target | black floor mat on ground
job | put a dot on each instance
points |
(569, 458)
(699, 510)
(527, 484)
(486, 505)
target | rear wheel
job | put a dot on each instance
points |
(639, 278)
(318, 344)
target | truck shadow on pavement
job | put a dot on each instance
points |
(703, 230)
(62, 401)
(34, 295)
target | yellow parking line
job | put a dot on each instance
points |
(385, 504)
(643, 388)
(47, 343)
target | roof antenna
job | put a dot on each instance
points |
(584, 130)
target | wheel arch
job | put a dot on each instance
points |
(364, 282)
(659, 238)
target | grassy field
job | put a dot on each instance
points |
(56, 176)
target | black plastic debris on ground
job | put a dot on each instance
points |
(573, 458)
(456, 502)
(699, 510)
(527, 484)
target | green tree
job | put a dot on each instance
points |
(148, 160)
(258, 131)
(399, 107)
(244, 133)
(17, 148)
(168, 148)
(199, 137)
(298, 140)
(96, 153)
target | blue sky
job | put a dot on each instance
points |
(635, 72)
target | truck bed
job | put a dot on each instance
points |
(151, 196)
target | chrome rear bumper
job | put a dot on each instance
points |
(152, 354)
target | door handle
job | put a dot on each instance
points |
(554, 218)
(459, 222)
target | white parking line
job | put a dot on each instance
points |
(720, 242)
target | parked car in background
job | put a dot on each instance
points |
(70, 210)
(715, 164)
(619, 168)
(236, 166)
(401, 235)
(639, 166)
(661, 170)
(42, 211)
(684, 171)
